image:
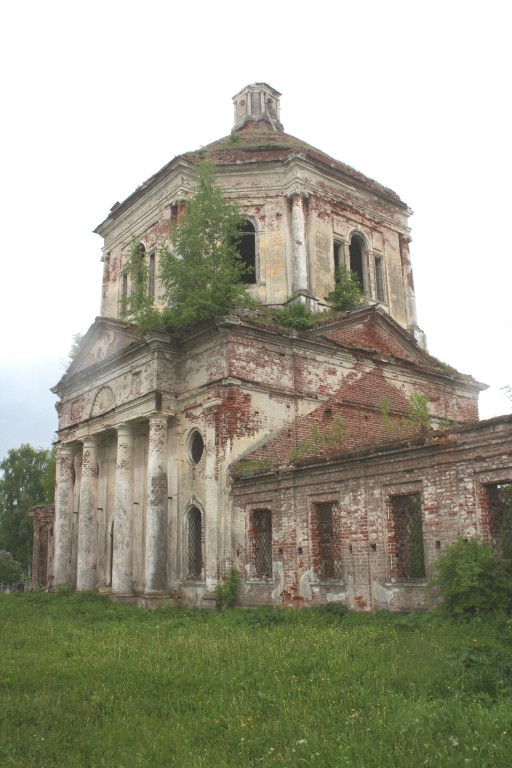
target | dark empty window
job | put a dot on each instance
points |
(408, 556)
(338, 258)
(379, 279)
(194, 544)
(262, 542)
(138, 276)
(247, 251)
(326, 539)
(151, 273)
(499, 515)
(356, 251)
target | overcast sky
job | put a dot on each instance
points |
(98, 96)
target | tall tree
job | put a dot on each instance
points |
(27, 478)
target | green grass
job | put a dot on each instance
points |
(84, 682)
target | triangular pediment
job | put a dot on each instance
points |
(373, 330)
(105, 339)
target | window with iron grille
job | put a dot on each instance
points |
(408, 562)
(499, 512)
(262, 542)
(326, 541)
(194, 544)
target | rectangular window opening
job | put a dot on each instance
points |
(326, 541)
(151, 273)
(379, 279)
(408, 561)
(262, 542)
(499, 513)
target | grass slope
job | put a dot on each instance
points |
(85, 682)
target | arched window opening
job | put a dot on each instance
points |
(356, 251)
(247, 251)
(194, 544)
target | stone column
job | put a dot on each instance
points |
(156, 509)
(410, 296)
(300, 262)
(63, 515)
(123, 514)
(87, 522)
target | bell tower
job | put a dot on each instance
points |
(255, 103)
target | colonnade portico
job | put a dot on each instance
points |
(83, 525)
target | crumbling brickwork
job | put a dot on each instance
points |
(245, 443)
(398, 507)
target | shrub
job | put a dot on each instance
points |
(10, 569)
(295, 315)
(473, 579)
(227, 592)
(347, 291)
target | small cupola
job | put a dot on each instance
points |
(255, 103)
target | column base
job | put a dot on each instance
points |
(124, 597)
(152, 600)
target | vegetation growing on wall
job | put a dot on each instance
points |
(294, 315)
(417, 415)
(346, 294)
(321, 441)
(201, 272)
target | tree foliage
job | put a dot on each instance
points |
(10, 569)
(347, 291)
(27, 478)
(473, 579)
(138, 305)
(201, 272)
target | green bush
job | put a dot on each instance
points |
(295, 315)
(347, 291)
(227, 592)
(472, 579)
(10, 569)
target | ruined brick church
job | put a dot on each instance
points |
(330, 464)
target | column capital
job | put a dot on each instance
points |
(89, 440)
(125, 429)
(157, 417)
(297, 193)
(65, 449)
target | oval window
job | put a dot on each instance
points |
(196, 447)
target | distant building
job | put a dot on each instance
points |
(307, 460)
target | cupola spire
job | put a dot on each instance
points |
(255, 103)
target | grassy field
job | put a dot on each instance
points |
(85, 682)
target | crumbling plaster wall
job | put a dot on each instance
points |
(332, 210)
